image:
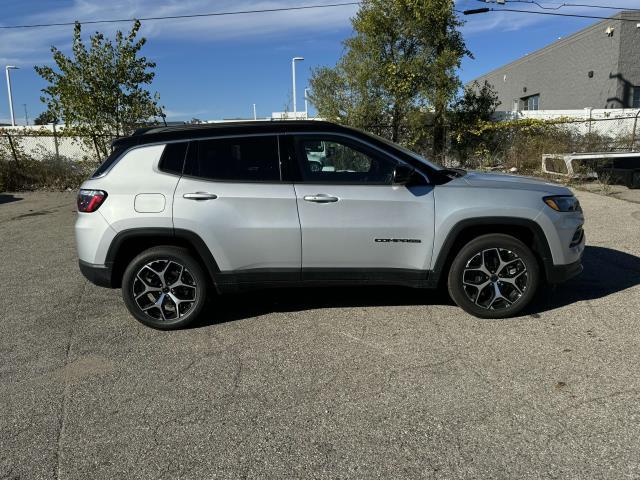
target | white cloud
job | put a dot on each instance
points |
(28, 46)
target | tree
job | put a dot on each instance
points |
(100, 89)
(45, 118)
(476, 105)
(398, 70)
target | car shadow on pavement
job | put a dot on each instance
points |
(239, 306)
(606, 271)
(8, 198)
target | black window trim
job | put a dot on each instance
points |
(421, 168)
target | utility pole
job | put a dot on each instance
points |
(6, 71)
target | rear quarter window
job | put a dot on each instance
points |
(173, 155)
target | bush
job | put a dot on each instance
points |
(48, 173)
(521, 143)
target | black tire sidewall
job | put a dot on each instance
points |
(484, 242)
(179, 255)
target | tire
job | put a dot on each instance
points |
(164, 288)
(506, 272)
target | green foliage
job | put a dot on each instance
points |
(49, 172)
(400, 64)
(45, 118)
(521, 143)
(476, 106)
(100, 89)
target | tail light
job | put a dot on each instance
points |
(90, 200)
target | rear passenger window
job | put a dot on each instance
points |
(172, 159)
(249, 159)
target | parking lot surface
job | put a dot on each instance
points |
(316, 383)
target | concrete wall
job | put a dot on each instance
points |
(559, 73)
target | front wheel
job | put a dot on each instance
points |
(164, 288)
(494, 276)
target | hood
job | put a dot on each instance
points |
(513, 182)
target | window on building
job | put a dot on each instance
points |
(531, 103)
(636, 98)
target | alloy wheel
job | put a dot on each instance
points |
(495, 278)
(164, 290)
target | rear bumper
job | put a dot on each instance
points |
(97, 274)
(562, 273)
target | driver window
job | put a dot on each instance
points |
(332, 161)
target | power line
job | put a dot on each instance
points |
(176, 17)
(330, 5)
(575, 15)
(561, 5)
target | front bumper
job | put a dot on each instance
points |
(562, 273)
(97, 274)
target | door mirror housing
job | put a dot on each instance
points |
(403, 174)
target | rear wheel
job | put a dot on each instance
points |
(164, 288)
(494, 276)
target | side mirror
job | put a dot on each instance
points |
(403, 174)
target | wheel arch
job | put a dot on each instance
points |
(525, 230)
(129, 243)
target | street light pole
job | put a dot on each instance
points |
(306, 104)
(6, 70)
(293, 78)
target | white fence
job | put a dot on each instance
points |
(40, 142)
(606, 122)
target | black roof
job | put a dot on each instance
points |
(188, 131)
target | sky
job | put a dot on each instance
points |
(217, 67)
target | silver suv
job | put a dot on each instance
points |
(178, 213)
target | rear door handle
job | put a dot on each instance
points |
(200, 196)
(320, 198)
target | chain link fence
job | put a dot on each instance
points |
(521, 142)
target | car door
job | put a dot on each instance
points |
(232, 196)
(355, 222)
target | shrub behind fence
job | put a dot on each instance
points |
(48, 158)
(521, 142)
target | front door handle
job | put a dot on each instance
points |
(200, 196)
(320, 198)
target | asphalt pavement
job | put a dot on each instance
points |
(316, 383)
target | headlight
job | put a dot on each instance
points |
(563, 203)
